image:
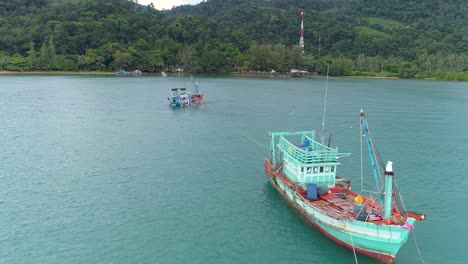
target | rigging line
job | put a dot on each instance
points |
(399, 194)
(369, 191)
(377, 153)
(325, 105)
(374, 153)
(398, 198)
(374, 148)
(417, 247)
(256, 142)
(380, 160)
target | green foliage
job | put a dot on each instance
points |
(62, 63)
(386, 25)
(404, 38)
(459, 76)
(4, 61)
(152, 61)
(17, 63)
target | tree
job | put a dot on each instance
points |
(122, 59)
(4, 61)
(187, 58)
(32, 59)
(17, 63)
(93, 60)
(152, 61)
(47, 56)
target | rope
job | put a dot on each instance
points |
(256, 142)
(399, 198)
(417, 247)
(352, 243)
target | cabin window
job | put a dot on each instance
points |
(332, 169)
(327, 169)
(315, 169)
(302, 169)
(321, 169)
(309, 169)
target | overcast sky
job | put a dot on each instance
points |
(168, 4)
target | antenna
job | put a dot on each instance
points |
(292, 118)
(301, 39)
(325, 106)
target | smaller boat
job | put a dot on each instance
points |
(164, 74)
(179, 97)
(197, 97)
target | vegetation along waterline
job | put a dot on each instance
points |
(405, 39)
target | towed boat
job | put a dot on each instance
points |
(197, 97)
(304, 171)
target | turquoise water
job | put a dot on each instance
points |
(101, 170)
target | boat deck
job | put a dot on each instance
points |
(338, 203)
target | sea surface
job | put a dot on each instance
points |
(101, 170)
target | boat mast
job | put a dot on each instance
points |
(370, 148)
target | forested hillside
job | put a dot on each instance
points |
(404, 38)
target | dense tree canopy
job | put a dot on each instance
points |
(406, 38)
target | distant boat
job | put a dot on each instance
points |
(135, 73)
(179, 97)
(164, 74)
(300, 73)
(304, 171)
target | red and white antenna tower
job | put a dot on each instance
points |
(301, 39)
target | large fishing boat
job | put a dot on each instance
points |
(304, 171)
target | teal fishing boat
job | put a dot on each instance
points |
(304, 171)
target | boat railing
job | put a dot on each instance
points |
(345, 182)
(317, 155)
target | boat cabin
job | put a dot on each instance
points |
(308, 160)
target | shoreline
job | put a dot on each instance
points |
(232, 74)
(54, 73)
(250, 74)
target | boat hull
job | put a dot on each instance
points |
(363, 237)
(197, 98)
